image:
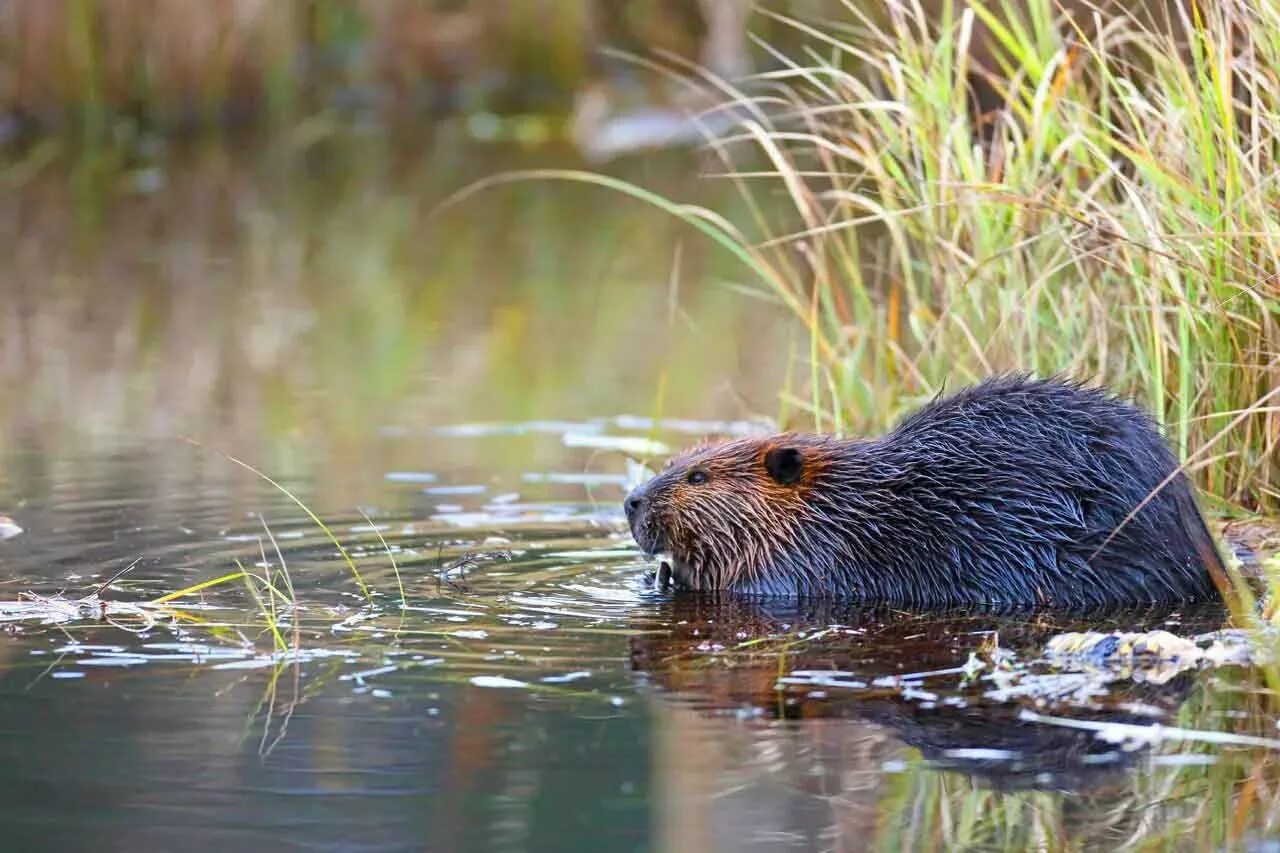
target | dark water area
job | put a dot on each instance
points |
(458, 396)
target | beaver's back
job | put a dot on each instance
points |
(1046, 495)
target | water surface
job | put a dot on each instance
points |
(461, 398)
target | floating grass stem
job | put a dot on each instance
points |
(194, 588)
(390, 556)
(351, 565)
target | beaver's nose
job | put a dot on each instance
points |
(633, 503)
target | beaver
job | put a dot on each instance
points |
(1016, 492)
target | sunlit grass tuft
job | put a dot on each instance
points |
(1114, 216)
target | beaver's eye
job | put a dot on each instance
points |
(697, 477)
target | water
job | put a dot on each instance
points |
(457, 396)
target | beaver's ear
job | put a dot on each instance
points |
(784, 464)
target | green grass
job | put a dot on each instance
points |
(1114, 217)
(329, 534)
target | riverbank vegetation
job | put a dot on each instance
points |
(981, 187)
(939, 190)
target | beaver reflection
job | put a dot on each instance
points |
(746, 657)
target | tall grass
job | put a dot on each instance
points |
(1109, 209)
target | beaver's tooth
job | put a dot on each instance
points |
(665, 562)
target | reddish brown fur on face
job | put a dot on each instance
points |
(816, 462)
(730, 527)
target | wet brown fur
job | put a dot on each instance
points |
(1016, 491)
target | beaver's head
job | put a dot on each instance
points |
(725, 515)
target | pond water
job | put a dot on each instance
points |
(457, 395)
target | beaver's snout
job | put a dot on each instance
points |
(649, 534)
(634, 503)
(640, 517)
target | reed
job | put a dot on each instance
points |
(1108, 209)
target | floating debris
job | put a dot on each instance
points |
(59, 610)
(1085, 664)
(499, 681)
(8, 527)
(1098, 649)
(1081, 689)
(409, 477)
(637, 445)
(1153, 650)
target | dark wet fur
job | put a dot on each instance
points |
(1015, 491)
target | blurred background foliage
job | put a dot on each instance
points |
(223, 222)
(177, 64)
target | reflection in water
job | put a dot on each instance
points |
(306, 295)
(463, 420)
(547, 699)
(789, 727)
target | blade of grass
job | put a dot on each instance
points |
(194, 588)
(355, 573)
